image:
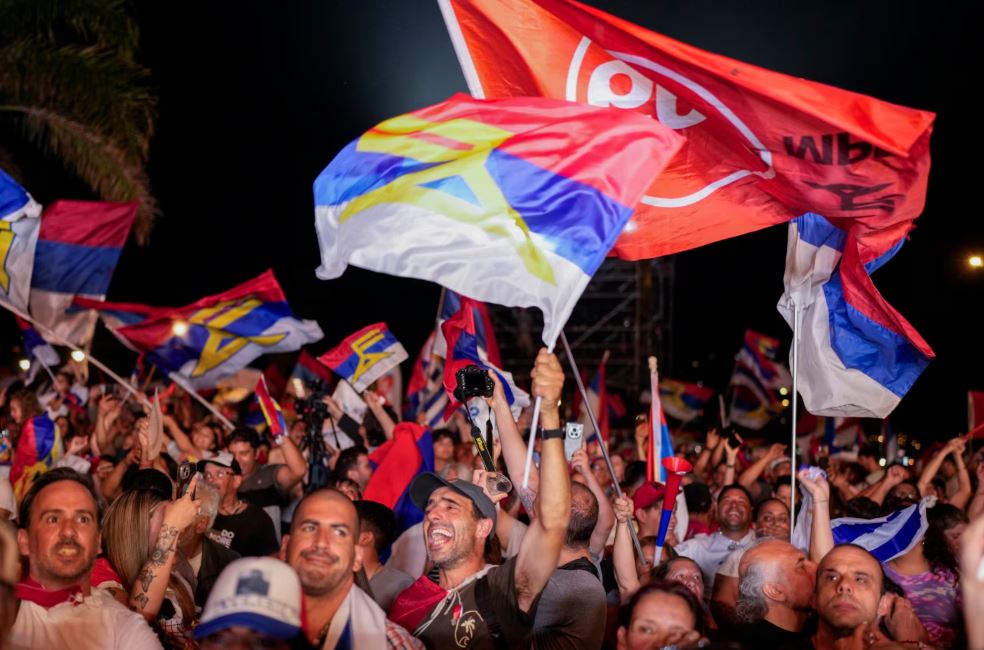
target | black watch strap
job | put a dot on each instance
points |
(552, 433)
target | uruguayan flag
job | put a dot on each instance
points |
(19, 225)
(885, 537)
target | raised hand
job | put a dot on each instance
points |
(183, 512)
(623, 508)
(713, 439)
(580, 463)
(819, 489)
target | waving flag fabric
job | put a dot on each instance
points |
(77, 251)
(365, 356)
(309, 370)
(757, 375)
(485, 335)
(463, 350)
(425, 391)
(397, 462)
(225, 332)
(271, 410)
(514, 201)
(683, 400)
(884, 537)
(762, 147)
(857, 355)
(18, 237)
(38, 448)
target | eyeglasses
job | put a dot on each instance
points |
(214, 475)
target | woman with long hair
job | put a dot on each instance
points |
(140, 536)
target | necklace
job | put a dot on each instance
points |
(236, 509)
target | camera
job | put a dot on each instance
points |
(472, 381)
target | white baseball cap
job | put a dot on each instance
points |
(260, 593)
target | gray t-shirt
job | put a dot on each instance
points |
(572, 609)
(387, 584)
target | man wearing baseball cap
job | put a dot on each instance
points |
(240, 526)
(256, 602)
(475, 604)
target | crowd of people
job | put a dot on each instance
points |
(159, 527)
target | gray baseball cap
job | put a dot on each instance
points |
(425, 484)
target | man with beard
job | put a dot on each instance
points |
(775, 595)
(851, 600)
(322, 548)
(734, 515)
(60, 537)
(478, 605)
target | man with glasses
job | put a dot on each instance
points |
(240, 526)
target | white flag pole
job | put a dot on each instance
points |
(792, 446)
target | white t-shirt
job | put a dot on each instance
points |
(710, 552)
(97, 622)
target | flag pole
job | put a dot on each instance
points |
(603, 445)
(792, 446)
(51, 334)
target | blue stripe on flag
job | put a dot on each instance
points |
(901, 538)
(349, 366)
(70, 268)
(847, 533)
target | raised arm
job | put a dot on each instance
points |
(623, 556)
(107, 412)
(147, 593)
(181, 439)
(821, 536)
(750, 475)
(976, 508)
(294, 467)
(880, 490)
(375, 403)
(606, 516)
(513, 447)
(730, 458)
(710, 444)
(933, 466)
(541, 546)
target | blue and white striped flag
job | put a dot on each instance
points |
(884, 537)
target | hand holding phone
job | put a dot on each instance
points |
(573, 439)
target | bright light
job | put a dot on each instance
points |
(881, 461)
(179, 328)
(24, 364)
(785, 403)
(783, 390)
(78, 356)
(976, 261)
(881, 438)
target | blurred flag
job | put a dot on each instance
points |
(975, 414)
(425, 390)
(857, 355)
(762, 147)
(604, 404)
(37, 349)
(365, 356)
(463, 350)
(757, 375)
(390, 386)
(219, 335)
(78, 247)
(18, 238)
(683, 400)
(309, 370)
(350, 401)
(397, 462)
(660, 444)
(271, 410)
(115, 315)
(38, 448)
(484, 334)
(514, 201)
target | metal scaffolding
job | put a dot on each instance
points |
(626, 309)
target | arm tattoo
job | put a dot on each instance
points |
(166, 541)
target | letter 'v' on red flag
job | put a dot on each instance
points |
(762, 147)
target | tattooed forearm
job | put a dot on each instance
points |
(140, 597)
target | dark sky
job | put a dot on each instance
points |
(257, 97)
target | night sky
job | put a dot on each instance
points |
(257, 97)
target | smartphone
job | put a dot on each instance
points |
(573, 439)
(185, 471)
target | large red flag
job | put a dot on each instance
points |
(762, 147)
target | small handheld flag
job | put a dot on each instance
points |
(365, 356)
(271, 411)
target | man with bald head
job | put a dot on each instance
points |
(775, 594)
(851, 600)
(322, 548)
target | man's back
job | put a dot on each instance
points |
(571, 612)
(97, 622)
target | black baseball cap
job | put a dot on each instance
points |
(425, 484)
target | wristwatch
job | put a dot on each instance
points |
(547, 434)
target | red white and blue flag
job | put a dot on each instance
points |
(463, 350)
(365, 356)
(683, 400)
(78, 247)
(756, 380)
(38, 448)
(271, 410)
(484, 333)
(425, 390)
(396, 463)
(37, 348)
(858, 356)
(604, 404)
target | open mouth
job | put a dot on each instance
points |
(438, 538)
